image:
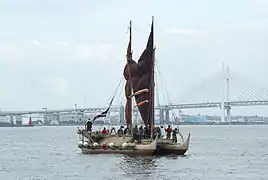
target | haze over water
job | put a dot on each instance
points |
(216, 152)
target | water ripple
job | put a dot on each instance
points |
(216, 152)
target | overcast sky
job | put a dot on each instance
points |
(53, 52)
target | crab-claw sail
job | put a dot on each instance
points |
(141, 78)
(128, 86)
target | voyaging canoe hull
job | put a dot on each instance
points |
(167, 147)
(148, 152)
(147, 149)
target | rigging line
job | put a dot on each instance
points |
(157, 88)
(110, 103)
(165, 94)
(115, 92)
(160, 82)
(164, 91)
(121, 98)
(162, 85)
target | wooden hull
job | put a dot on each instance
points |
(165, 147)
(145, 152)
(144, 149)
(147, 147)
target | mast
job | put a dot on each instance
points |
(129, 83)
(152, 108)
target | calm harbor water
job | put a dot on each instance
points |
(216, 152)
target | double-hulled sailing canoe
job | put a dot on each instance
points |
(140, 84)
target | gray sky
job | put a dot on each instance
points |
(53, 52)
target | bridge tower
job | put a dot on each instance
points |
(166, 115)
(223, 95)
(122, 114)
(228, 108)
(161, 116)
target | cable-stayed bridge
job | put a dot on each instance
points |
(216, 88)
(215, 104)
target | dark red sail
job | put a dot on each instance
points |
(128, 87)
(128, 90)
(141, 78)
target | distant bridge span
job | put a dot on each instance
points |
(190, 106)
(90, 110)
(164, 107)
(216, 104)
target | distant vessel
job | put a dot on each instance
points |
(30, 123)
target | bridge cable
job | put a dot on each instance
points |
(263, 92)
(257, 92)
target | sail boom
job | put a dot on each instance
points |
(142, 103)
(139, 92)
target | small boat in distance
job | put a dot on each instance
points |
(30, 123)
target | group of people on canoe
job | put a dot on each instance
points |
(139, 133)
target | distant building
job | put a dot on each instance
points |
(70, 117)
(193, 118)
(5, 119)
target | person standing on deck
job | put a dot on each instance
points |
(120, 131)
(158, 131)
(174, 135)
(104, 131)
(136, 133)
(126, 131)
(169, 130)
(155, 131)
(162, 132)
(113, 132)
(146, 132)
(88, 125)
(141, 133)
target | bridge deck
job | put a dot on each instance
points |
(164, 107)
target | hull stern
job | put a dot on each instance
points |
(166, 147)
